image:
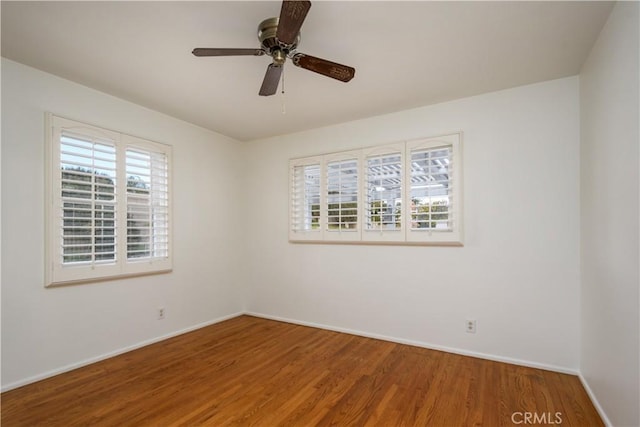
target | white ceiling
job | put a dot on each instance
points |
(406, 54)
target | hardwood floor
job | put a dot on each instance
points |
(251, 371)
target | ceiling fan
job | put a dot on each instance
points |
(279, 38)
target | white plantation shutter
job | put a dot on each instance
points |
(435, 188)
(431, 188)
(109, 207)
(383, 205)
(342, 196)
(384, 192)
(401, 193)
(147, 204)
(87, 212)
(305, 200)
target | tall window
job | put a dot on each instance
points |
(108, 204)
(406, 192)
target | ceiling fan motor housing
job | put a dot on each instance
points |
(267, 35)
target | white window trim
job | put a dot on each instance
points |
(57, 274)
(405, 235)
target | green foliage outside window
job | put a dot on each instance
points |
(382, 213)
(89, 216)
(343, 215)
(427, 215)
(340, 216)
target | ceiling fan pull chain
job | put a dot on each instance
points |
(284, 107)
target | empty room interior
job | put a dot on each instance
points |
(320, 213)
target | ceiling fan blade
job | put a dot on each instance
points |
(334, 70)
(292, 16)
(205, 51)
(271, 80)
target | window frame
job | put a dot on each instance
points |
(57, 272)
(404, 235)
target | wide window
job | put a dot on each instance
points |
(108, 210)
(408, 192)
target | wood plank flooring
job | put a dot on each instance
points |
(251, 371)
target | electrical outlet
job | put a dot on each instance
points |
(471, 326)
(160, 313)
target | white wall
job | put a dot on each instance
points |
(610, 256)
(518, 273)
(44, 330)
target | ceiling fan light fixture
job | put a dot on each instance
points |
(279, 56)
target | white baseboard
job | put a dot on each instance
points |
(422, 344)
(101, 357)
(595, 402)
